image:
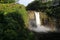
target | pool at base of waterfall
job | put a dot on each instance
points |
(42, 29)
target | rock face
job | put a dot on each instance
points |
(45, 20)
(31, 15)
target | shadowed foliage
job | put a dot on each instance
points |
(13, 22)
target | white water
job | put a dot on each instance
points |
(39, 27)
(37, 17)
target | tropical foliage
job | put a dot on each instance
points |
(13, 22)
(36, 5)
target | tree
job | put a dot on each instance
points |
(36, 5)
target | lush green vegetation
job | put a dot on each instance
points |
(8, 1)
(36, 5)
(13, 22)
(9, 8)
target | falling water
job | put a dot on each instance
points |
(39, 27)
(37, 17)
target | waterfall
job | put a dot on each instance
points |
(37, 17)
(39, 27)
